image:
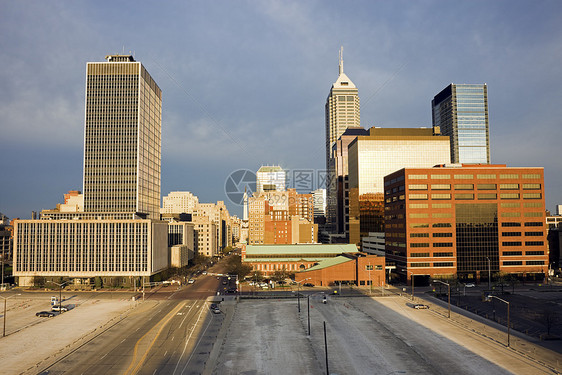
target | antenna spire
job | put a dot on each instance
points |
(341, 59)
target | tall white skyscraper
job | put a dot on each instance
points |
(122, 146)
(342, 112)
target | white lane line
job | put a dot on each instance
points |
(105, 355)
(203, 309)
(165, 353)
(122, 341)
(186, 315)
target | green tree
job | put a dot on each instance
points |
(98, 282)
(257, 276)
(39, 281)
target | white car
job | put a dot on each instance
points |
(470, 285)
(59, 308)
(190, 281)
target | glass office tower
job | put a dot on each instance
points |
(461, 112)
(122, 146)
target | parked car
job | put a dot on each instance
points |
(231, 291)
(324, 299)
(470, 285)
(308, 284)
(214, 306)
(190, 281)
(45, 314)
(59, 308)
(216, 311)
(419, 306)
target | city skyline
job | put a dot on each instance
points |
(236, 98)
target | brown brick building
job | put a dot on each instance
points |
(466, 220)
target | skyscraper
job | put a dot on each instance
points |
(461, 112)
(342, 112)
(270, 178)
(122, 146)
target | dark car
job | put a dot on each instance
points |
(45, 314)
(308, 284)
(231, 291)
(214, 306)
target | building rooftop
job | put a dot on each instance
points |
(300, 249)
(329, 263)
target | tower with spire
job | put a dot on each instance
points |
(342, 111)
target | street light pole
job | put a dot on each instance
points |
(5, 300)
(60, 293)
(449, 294)
(299, 292)
(504, 301)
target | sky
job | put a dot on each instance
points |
(244, 83)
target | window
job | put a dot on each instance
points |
(533, 214)
(531, 176)
(464, 186)
(511, 224)
(417, 177)
(535, 262)
(534, 252)
(534, 243)
(486, 176)
(534, 234)
(510, 205)
(441, 205)
(486, 186)
(464, 177)
(419, 265)
(419, 255)
(532, 195)
(512, 263)
(511, 214)
(417, 186)
(417, 196)
(441, 176)
(509, 195)
(419, 234)
(440, 187)
(509, 176)
(418, 205)
(420, 244)
(464, 196)
(440, 196)
(512, 253)
(441, 215)
(442, 234)
(534, 224)
(419, 216)
(443, 254)
(511, 234)
(511, 243)
(509, 186)
(443, 244)
(441, 225)
(369, 267)
(442, 264)
(487, 196)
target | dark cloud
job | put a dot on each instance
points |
(244, 83)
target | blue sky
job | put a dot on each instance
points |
(245, 82)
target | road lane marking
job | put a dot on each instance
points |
(133, 370)
(187, 341)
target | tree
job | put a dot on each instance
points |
(98, 283)
(257, 275)
(227, 250)
(39, 281)
(234, 266)
(279, 275)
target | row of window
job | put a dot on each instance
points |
(470, 196)
(471, 187)
(509, 176)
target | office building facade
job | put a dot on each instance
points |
(122, 145)
(270, 178)
(460, 111)
(466, 220)
(372, 157)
